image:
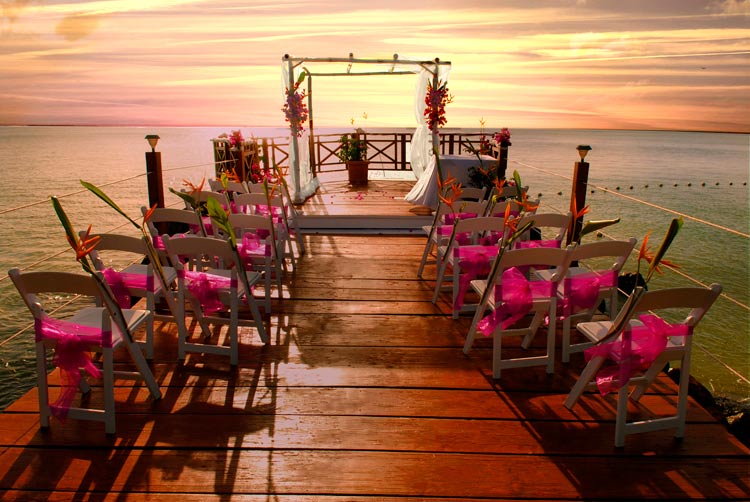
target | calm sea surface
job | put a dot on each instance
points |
(701, 175)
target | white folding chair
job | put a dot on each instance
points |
(439, 232)
(138, 275)
(691, 304)
(598, 265)
(101, 329)
(470, 240)
(542, 303)
(208, 275)
(261, 249)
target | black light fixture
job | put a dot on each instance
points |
(583, 150)
(152, 139)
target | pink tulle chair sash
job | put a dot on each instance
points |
(514, 298)
(205, 288)
(450, 218)
(473, 262)
(581, 291)
(531, 244)
(72, 353)
(254, 246)
(121, 282)
(634, 351)
(159, 242)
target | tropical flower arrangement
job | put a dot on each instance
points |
(436, 100)
(502, 138)
(479, 176)
(295, 109)
(235, 138)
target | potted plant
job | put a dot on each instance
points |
(353, 152)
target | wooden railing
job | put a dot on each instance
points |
(385, 150)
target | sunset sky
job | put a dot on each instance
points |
(643, 64)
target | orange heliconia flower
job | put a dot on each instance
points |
(525, 204)
(450, 180)
(85, 245)
(579, 214)
(500, 183)
(149, 213)
(648, 255)
(193, 188)
(232, 176)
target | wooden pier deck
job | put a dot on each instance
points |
(363, 394)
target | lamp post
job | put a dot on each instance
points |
(153, 173)
(578, 193)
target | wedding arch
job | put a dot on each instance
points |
(423, 140)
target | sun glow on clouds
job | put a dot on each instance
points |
(196, 62)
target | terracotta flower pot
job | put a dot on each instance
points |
(357, 171)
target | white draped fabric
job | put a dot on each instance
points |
(303, 183)
(421, 141)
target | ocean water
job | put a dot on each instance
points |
(650, 177)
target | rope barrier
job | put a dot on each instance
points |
(641, 201)
(77, 192)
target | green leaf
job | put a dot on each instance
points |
(520, 231)
(63, 217)
(301, 77)
(593, 226)
(184, 196)
(219, 217)
(437, 164)
(98, 192)
(674, 228)
(519, 190)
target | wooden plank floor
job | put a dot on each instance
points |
(363, 394)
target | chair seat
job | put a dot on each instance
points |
(92, 317)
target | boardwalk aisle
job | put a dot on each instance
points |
(364, 392)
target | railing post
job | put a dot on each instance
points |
(578, 193)
(153, 173)
(502, 160)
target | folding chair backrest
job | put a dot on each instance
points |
(201, 252)
(180, 220)
(697, 299)
(243, 222)
(475, 228)
(232, 186)
(117, 242)
(220, 197)
(556, 258)
(498, 208)
(507, 192)
(555, 222)
(257, 199)
(473, 193)
(617, 250)
(32, 284)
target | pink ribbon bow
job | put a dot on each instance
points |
(205, 288)
(581, 291)
(514, 297)
(473, 261)
(121, 282)
(71, 354)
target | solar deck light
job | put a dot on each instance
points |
(583, 150)
(152, 139)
